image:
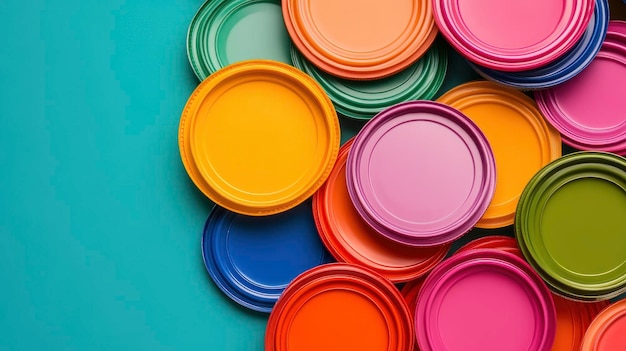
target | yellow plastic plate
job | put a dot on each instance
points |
(259, 137)
(521, 139)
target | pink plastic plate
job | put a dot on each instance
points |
(513, 35)
(589, 110)
(485, 300)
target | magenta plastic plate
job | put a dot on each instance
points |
(589, 110)
(512, 35)
(486, 300)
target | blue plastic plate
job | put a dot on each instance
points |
(252, 259)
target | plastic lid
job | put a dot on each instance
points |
(512, 35)
(354, 39)
(573, 317)
(457, 312)
(252, 259)
(364, 99)
(564, 68)
(570, 224)
(340, 307)
(608, 330)
(351, 240)
(228, 31)
(258, 137)
(421, 173)
(497, 111)
(588, 110)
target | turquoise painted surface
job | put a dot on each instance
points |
(99, 224)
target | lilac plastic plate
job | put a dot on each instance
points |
(421, 173)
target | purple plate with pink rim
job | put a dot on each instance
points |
(588, 110)
(421, 173)
(512, 35)
(486, 300)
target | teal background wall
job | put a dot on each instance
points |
(99, 225)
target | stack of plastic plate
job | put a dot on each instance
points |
(229, 31)
(252, 259)
(570, 225)
(565, 67)
(589, 109)
(527, 44)
(363, 99)
(497, 35)
(338, 307)
(339, 37)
